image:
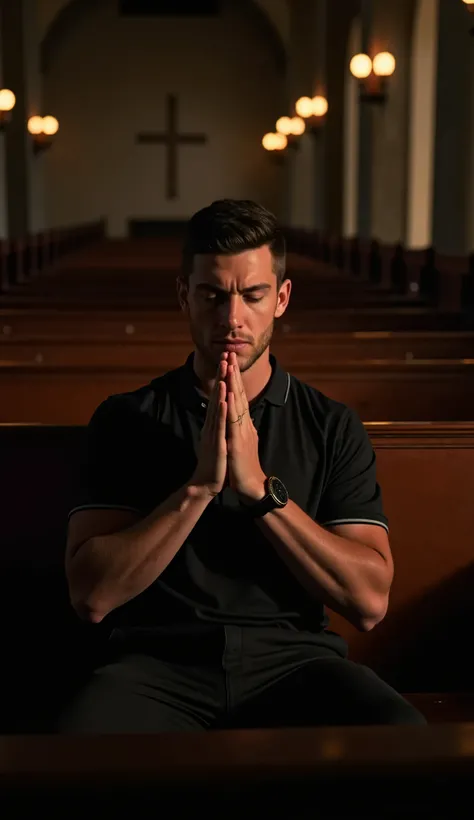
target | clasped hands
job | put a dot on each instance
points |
(229, 440)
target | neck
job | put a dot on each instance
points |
(255, 379)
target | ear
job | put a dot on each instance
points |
(283, 298)
(182, 290)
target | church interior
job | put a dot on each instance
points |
(353, 122)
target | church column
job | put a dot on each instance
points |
(24, 208)
(470, 184)
(36, 164)
(422, 131)
(333, 77)
(392, 31)
(301, 210)
(452, 233)
(3, 185)
(383, 127)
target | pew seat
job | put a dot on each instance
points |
(329, 773)
(421, 648)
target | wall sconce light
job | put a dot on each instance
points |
(42, 129)
(7, 104)
(373, 75)
(470, 7)
(312, 110)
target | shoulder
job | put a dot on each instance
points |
(140, 404)
(328, 414)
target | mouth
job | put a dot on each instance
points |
(231, 345)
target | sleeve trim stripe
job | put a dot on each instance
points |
(103, 507)
(355, 521)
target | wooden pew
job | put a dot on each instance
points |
(378, 773)
(111, 322)
(390, 390)
(421, 647)
(22, 259)
(446, 282)
(91, 344)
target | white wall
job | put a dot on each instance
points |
(108, 78)
(302, 183)
(46, 12)
(422, 124)
(279, 13)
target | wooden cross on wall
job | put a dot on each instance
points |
(172, 139)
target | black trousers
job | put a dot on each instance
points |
(221, 677)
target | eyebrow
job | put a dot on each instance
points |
(217, 289)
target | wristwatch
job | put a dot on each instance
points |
(276, 496)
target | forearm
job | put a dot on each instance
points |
(347, 576)
(112, 569)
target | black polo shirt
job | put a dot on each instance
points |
(141, 447)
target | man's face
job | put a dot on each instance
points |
(232, 302)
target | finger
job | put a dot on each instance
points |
(216, 392)
(221, 417)
(232, 414)
(239, 399)
(240, 389)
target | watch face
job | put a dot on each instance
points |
(278, 490)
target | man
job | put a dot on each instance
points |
(225, 503)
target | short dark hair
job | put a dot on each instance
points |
(230, 226)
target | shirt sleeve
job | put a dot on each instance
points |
(109, 471)
(352, 494)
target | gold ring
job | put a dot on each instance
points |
(239, 418)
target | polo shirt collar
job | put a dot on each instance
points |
(275, 392)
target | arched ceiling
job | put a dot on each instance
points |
(276, 10)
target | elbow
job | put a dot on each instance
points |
(372, 614)
(86, 606)
(87, 612)
(84, 598)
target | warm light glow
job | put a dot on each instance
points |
(304, 107)
(468, 2)
(7, 99)
(320, 106)
(35, 125)
(298, 126)
(284, 126)
(50, 126)
(361, 66)
(274, 142)
(281, 142)
(384, 64)
(268, 142)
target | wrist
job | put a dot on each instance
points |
(199, 492)
(254, 493)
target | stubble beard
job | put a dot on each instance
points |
(211, 355)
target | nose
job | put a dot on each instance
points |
(230, 313)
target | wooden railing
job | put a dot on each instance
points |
(444, 282)
(22, 259)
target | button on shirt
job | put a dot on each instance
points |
(141, 446)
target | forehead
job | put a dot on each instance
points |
(245, 265)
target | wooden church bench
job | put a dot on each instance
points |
(329, 773)
(41, 392)
(422, 647)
